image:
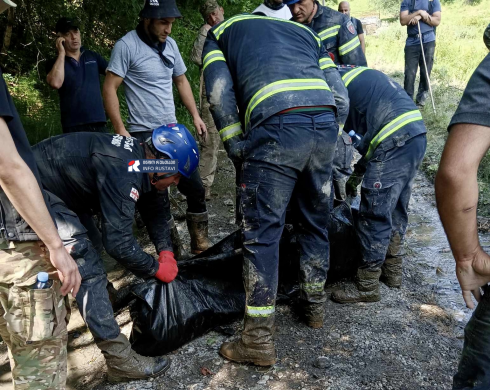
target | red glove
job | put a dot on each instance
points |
(168, 267)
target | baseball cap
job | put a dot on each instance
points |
(64, 24)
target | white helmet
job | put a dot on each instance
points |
(6, 4)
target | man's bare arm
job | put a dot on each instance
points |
(111, 102)
(363, 42)
(56, 75)
(457, 199)
(433, 20)
(22, 189)
(187, 97)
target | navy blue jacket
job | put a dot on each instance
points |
(379, 108)
(263, 66)
(338, 35)
(89, 172)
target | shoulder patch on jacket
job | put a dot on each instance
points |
(351, 27)
(134, 194)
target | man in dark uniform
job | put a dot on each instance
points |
(288, 113)
(457, 201)
(392, 148)
(344, 8)
(75, 74)
(340, 38)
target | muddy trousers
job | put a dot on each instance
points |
(284, 153)
(341, 169)
(33, 322)
(92, 298)
(385, 195)
(192, 188)
(474, 366)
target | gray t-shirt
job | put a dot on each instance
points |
(147, 81)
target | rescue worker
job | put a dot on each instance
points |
(212, 14)
(29, 244)
(457, 201)
(344, 8)
(89, 172)
(273, 9)
(148, 62)
(392, 148)
(284, 134)
(340, 38)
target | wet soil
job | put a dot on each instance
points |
(410, 340)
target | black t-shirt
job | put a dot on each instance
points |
(358, 25)
(15, 226)
(474, 107)
(80, 95)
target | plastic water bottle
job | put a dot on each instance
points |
(42, 282)
(356, 138)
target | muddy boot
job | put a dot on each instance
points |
(391, 272)
(198, 230)
(366, 288)
(123, 364)
(313, 314)
(255, 346)
(177, 245)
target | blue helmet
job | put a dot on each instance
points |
(176, 142)
(289, 2)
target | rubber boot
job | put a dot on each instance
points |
(123, 364)
(255, 346)
(391, 272)
(177, 245)
(198, 230)
(366, 288)
(313, 314)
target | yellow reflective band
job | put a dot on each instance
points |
(349, 46)
(283, 86)
(219, 30)
(213, 59)
(212, 52)
(326, 63)
(313, 287)
(352, 74)
(260, 311)
(395, 125)
(329, 32)
(230, 131)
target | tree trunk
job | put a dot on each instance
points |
(8, 30)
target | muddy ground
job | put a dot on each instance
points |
(412, 339)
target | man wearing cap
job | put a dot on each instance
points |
(147, 61)
(273, 9)
(29, 245)
(212, 14)
(75, 74)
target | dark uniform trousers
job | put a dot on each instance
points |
(385, 195)
(413, 61)
(474, 366)
(285, 153)
(192, 188)
(92, 298)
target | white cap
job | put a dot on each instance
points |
(6, 4)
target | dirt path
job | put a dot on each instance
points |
(409, 340)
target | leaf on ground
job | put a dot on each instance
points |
(206, 371)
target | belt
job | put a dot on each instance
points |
(327, 116)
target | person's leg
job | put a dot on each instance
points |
(388, 172)
(423, 92)
(412, 55)
(93, 231)
(209, 148)
(197, 214)
(474, 365)
(312, 214)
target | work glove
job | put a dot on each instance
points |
(234, 149)
(167, 270)
(352, 184)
